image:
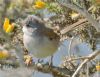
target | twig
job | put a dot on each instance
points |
(45, 68)
(72, 59)
(68, 28)
(91, 56)
(69, 48)
(79, 23)
(56, 71)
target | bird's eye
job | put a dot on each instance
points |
(28, 25)
(50, 38)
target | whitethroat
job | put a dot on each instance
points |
(38, 38)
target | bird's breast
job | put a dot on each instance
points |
(40, 47)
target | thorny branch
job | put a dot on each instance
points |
(45, 68)
(57, 71)
(78, 58)
(68, 28)
(71, 27)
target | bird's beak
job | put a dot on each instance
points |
(28, 30)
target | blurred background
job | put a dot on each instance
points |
(17, 10)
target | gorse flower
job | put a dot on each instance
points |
(97, 1)
(28, 59)
(39, 4)
(7, 26)
(4, 54)
(98, 67)
(74, 15)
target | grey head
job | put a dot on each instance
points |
(34, 25)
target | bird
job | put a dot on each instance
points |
(39, 39)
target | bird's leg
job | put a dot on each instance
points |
(38, 60)
(51, 61)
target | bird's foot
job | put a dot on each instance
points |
(40, 61)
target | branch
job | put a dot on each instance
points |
(79, 23)
(56, 71)
(69, 47)
(68, 28)
(83, 12)
(90, 57)
(72, 59)
(44, 68)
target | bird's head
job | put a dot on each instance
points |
(32, 24)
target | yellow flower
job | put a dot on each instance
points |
(7, 26)
(4, 54)
(74, 15)
(98, 67)
(39, 4)
(27, 59)
(98, 1)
